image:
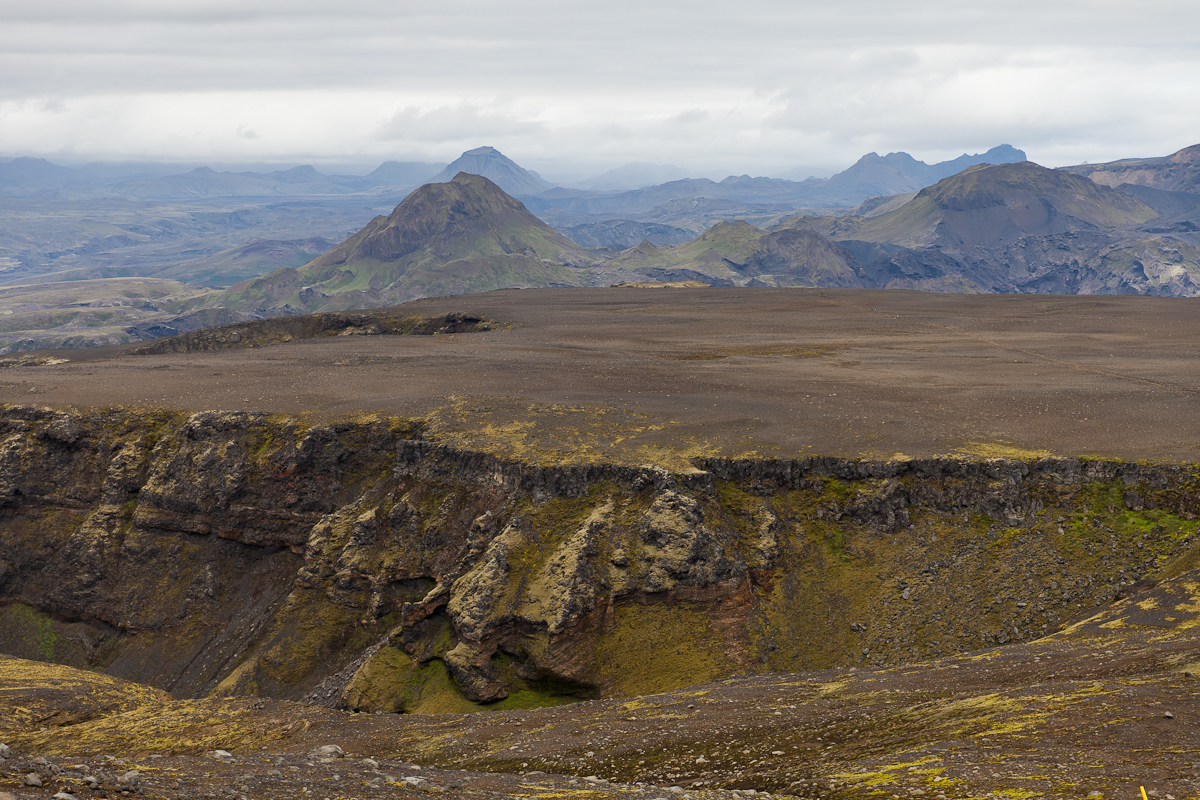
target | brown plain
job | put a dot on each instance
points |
(756, 372)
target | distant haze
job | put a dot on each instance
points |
(574, 90)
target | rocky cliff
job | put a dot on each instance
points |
(358, 563)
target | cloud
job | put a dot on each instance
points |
(771, 84)
(462, 122)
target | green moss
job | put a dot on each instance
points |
(659, 645)
(28, 633)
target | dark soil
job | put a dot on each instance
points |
(770, 371)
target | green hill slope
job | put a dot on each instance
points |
(445, 238)
(1179, 172)
(740, 252)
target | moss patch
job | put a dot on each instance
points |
(660, 645)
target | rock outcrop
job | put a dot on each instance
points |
(354, 563)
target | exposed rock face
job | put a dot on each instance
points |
(354, 563)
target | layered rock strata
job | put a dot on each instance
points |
(356, 563)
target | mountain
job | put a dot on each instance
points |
(1179, 172)
(22, 177)
(463, 236)
(986, 205)
(1024, 228)
(633, 176)
(497, 168)
(1000, 154)
(871, 176)
(897, 173)
(741, 254)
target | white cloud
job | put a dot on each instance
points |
(752, 88)
(459, 123)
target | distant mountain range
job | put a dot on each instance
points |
(989, 228)
(38, 178)
(1013, 227)
(605, 196)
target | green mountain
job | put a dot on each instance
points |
(445, 238)
(1022, 228)
(985, 205)
(743, 254)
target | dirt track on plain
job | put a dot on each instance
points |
(767, 371)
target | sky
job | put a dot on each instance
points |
(573, 89)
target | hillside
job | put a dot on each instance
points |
(1025, 228)
(743, 254)
(988, 205)
(1178, 172)
(445, 238)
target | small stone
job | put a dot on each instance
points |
(416, 782)
(675, 789)
(131, 778)
(63, 796)
(1168, 715)
(371, 763)
(6, 751)
(33, 779)
(328, 751)
(220, 754)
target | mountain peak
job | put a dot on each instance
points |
(496, 167)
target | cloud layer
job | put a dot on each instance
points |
(759, 87)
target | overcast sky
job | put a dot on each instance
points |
(572, 89)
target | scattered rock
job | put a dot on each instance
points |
(33, 779)
(327, 751)
(6, 751)
(63, 796)
(1168, 715)
(131, 779)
